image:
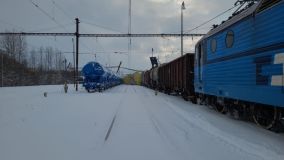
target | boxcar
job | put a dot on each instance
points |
(177, 76)
(146, 78)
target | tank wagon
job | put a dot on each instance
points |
(238, 66)
(98, 78)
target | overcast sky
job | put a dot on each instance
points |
(111, 16)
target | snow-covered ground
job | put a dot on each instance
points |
(123, 123)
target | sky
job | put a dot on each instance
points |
(111, 16)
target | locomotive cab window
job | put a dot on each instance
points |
(230, 39)
(213, 45)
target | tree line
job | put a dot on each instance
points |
(42, 58)
(39, 66)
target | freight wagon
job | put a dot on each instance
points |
(98, 78)
(177, 76)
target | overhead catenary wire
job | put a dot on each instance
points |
(103, 49)
(85, 45)
(81, 21)
(70, 17)
(124, 52)
(47, 14)
(206, 22)
(62, 10)
(51, 28)
(129, 46)
(100, 26)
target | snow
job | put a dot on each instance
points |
(141, 126)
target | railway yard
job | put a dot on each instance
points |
(212, 90)
(125, 122)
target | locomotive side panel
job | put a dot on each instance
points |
(246, 60)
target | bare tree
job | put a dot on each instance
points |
(33, 59)
(21, 45)
(8, 43)
(49, 58)
(41, 56)
(59, 60)
(15, 46)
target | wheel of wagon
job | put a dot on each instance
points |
(220, 108)
(265, 117)
(193, 100)
(185, 96)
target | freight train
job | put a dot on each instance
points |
(237, 67)
(98, 78)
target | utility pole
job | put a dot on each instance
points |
(129, 32)
(77, 51)
(74, 65)
(2, 69)
(65, 64)
(181, 34)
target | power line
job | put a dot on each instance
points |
(50, 28)
(202, 24)
(129, 46)
(100, 26)
(126, 53)
(103, 49)
(62, 10)
(85, 45)
(53, 19)
(102, 35)
(47, 14)
(84, 20)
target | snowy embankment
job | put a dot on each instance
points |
(123, 123)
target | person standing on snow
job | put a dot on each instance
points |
(65, 87)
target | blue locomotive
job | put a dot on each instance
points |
(98, 78)
(239, 65)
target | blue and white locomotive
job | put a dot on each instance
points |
(98, 78)
(239, 65)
